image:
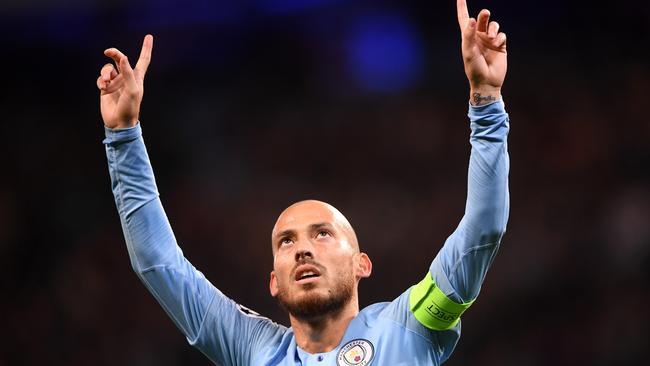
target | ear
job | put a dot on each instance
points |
(364, 266)
(273, 284)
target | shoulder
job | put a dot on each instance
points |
(232, 323)
(397, 315)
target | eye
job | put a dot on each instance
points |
(323, 234)
(286, 241)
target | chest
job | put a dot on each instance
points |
(382, 344)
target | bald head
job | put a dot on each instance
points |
(316, 213)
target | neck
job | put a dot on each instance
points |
(324, 333)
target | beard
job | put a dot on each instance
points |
(312, 305)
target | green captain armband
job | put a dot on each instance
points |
(432, 308)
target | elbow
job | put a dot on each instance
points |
(492, 222)
(495, 229)
(136, 267)
(489, 228)
(492, 235)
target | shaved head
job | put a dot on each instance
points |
(322, 212)
(317, 264)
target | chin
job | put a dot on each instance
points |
(311, 296)
(312, 303)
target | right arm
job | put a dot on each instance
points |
(155, 256)
(210, 321)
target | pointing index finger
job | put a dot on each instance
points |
(463, 15)
(145, 54)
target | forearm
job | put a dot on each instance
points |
(154, 253)
(460, 267)
(149, 237)
(486, 210)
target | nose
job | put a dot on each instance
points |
(302, 255)
(304, 250)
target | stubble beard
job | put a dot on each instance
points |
(313, 306)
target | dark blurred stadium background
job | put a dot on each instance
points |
(251, 105)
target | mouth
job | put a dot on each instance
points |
(306, 274)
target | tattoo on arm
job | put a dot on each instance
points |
(478, 99)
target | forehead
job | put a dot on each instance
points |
(304, 214)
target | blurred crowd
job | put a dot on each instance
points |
(242, 119)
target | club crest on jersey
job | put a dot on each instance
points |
(358, 352)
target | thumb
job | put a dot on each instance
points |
(129, 78)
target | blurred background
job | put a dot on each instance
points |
(251, 105)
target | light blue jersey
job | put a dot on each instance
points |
(386, 334)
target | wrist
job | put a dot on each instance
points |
(121, 126)
(121, 122)
(121, 135)
(484, 95)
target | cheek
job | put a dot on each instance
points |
(281, 269)
(343, 265)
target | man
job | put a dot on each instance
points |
(317, 262)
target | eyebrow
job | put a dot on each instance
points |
(285, 233)
(320, 225)
(312, 227)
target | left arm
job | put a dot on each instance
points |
(461, 265)
(459, 269)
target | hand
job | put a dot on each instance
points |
(121, 90)
(484, 54)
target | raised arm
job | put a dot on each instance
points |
(457, 272)
(220, 328)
